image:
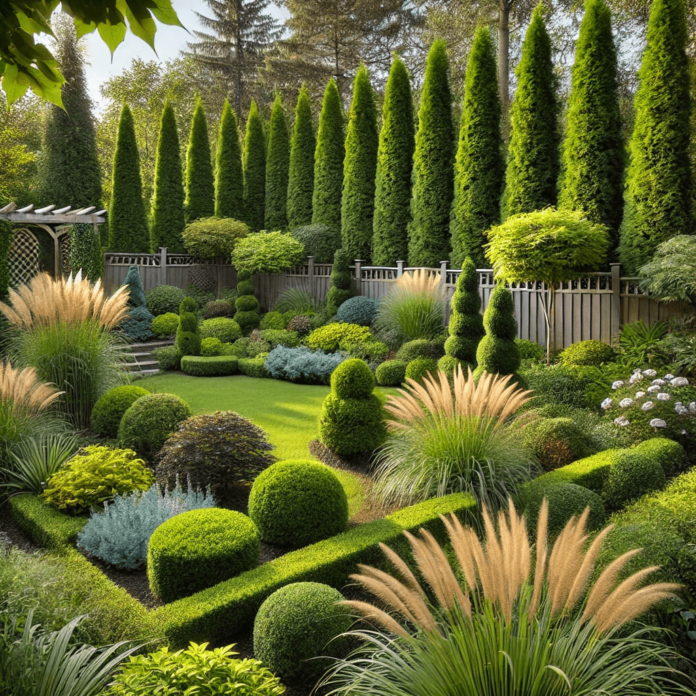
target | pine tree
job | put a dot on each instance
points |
(254, 170)
(479, 167)
(301, 177)
(359, 170)
(328, 161)
(533, 159)
(229, 177)
(127, 219)
(200, 186)
(394, 166)
(593, 152)
(433, 172)
(277, 169)
(167, 220)
(658, 188)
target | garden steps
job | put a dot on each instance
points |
(141, 363)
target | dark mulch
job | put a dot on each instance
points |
(12, 532)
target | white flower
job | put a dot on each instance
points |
(658, 423)
(650, 373)
(618, 384)
(608, 403)
(647, 406)
(635, 377)
(621, 420)
(663, 397)
(659, 381)
(625, 403)
(680, 382)
(653, 389)
(669, 376)
(640, 395)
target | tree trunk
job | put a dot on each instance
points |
(504, 54)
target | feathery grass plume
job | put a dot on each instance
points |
(447, 437)
(505, 628)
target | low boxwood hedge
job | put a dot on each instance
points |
(215, 366)
(254, 367)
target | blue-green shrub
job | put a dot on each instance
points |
(358, 310)
(217, 366)
(110, 407)
(137, 326)
(302, 364)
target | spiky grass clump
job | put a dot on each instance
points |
(448, 437)
(504, 630)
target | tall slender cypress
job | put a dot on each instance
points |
(167, 219)
(433, 171)
(479, 168)
(254, 170)
(593, 153)
(658, 186)
(127, 219)
(394, 167)
(229, 177)
(277, 169)
(301, 177)
(328, 161)
(533, 159)
(359, 170)
(200, 186)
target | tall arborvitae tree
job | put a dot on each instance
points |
(200, 185)
(277, 169)
(479, 168)
(533, 158)
(593, 153)
(127, 218)
(658, 186)
(394, 167)
(70, 174)
(328, 161)
(359, 170)
(254, 170)
(229, 176)
(433, 170)
(167, 220)
(301, 178)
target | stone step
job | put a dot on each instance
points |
(150, 345)
(142, 364)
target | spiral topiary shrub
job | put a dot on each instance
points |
(358, 310)
(298, 624)
(497, 351)
(214, 366)
(149, 422)
(164, 299)
(110, 407)
(247, 306)
(587, 353)
(199, 549)
(633, 475)
(188, 337)
(419, 348)
(227, 330)
(298, 502)
(391, 373)
(210, 347)
(341, 282)
(555, 442)
(165, 325)
(466, 323)
(421, 367)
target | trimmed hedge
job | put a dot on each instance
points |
(253, 367)
(555, 442)
(215, 366)
(110, 407)
(45, 525)
(633, 475)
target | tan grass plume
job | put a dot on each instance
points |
(23, 391)
(421, 281)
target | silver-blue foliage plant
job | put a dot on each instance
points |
(302, 364)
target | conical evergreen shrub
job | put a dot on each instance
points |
(341, 282)
(301, 176)
(658, 186)
(533, 157)
(167, 219)
(479, 167)
(277, 169)
(394, 167)
(497, 352)
(229, 176)
(359, 170)
(433, 166)
(328, 161)
(128, 231)
(200, 186)
(254, 170)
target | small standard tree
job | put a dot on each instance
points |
(254, 170)
(229, 176)
(200, 187)
(301, 176)
(497, 351)
(277, 169)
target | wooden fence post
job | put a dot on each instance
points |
(358, 276)
(400, 268)
(163, 266)
(310, 273)
(615, 302)
(443, 275)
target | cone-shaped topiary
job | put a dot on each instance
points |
(277, 169)
(254, 170)
(433, 170)
(127, 219)
(497, 352)
(188, 335)
(359, 170)
(658, 183)
(137, 326)
(328, 161)
(533, 158)
(301, 176)
(479, 168)
(247, 306)
(593, 151)
(167, 217)
(341, 282)
(200, 187)
(394, 166)
(229, 177)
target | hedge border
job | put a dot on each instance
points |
(213, 366)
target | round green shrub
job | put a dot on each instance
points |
(669, 454)
(420, 367)
(632, 476)
(167, 357)
(358, 310)
(245, 287)
(352, 379)
(298, 502)
(227, 330)
(530, 350)
(247, 303)
(273, 320)
(297, 624)
(565, 500)
(199, 549)
(164, 299)
(247, 321)
(218, 308)
(210, 347)
(319, 241)
(150, 420)
(210, 238)
(391, 373)
(448, 364)
(214, 366)
(587, 353)
(328, 338)
(299, 324)
(110, 407)
(420, 348)
(369, 351)
(555, 442)
(352, 426)
(165, 325)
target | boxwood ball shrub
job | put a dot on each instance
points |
(210, 347)
(215, 366)
(110, 407)
(584, 353)
(247, 306)
(391, 373)
(210, 238)
(555, 442)
(199, 549)
(449, 365)
(369, 351)
(497, 351)
(419, 348)
(329, 337)
(273, 320)
(279, 337)
(298, 624)
(319, 241)
(358, 310)
(227, 330)
(164, 299)
(633, 475)
(421, 367)
(298, 502)
(165, 325)
(218, 308)
(149, 422)
(188, 337)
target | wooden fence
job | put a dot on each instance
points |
(594, 307)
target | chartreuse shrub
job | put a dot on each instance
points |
(227, 330)
(275, 337)
(198, 549)
(329, 337)
(94, 475)
(273, 320)
(214, 366)
(188, 336)
(369, 351)
(210, 347)
(212, 238)
(352, 419)
(110, 407)
(164, 299)
(358, 310)
(298, 624)
(584, 353)
(268, 252)
(341, 282)
(420, 368)
(497, 352)
(298, 502)
(555, 442)
(391, 373)
(165, 325)
(247, 306)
